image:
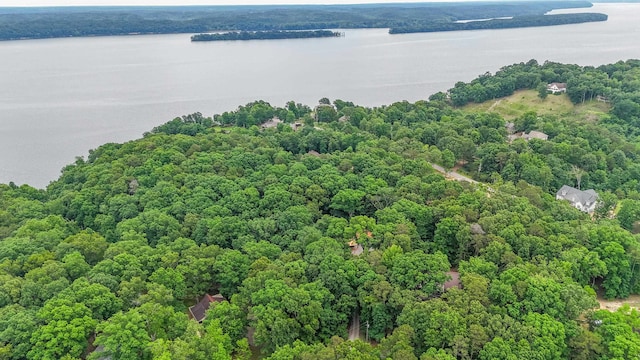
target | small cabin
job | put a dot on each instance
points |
(199, 311)
(356, 249)
(556, 88)
(528, 136)
(271, 124)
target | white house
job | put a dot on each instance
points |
(557, 87)
(582, 200)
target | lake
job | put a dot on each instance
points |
(61, 97)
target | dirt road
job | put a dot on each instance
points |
(452, 174)
(354, 327)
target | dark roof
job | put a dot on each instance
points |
(199, 310)
(558, 85)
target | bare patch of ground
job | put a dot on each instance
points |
(455, 280)
(614, 304)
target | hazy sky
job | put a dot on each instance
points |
(190, 2)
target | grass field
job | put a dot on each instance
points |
(520, 102)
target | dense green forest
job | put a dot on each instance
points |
(32, 23)
(515, 22)
(105, 262)
(265, 35)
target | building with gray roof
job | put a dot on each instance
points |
(582, 200)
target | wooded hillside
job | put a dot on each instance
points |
(107, 260)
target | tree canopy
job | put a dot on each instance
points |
(303, 229)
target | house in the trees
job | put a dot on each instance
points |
(582, 200)
(556, 88)
(356, 249)
(536, 135)
(528, 136)
(199, 311)
(273, 123)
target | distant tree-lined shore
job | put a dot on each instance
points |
(56, 22)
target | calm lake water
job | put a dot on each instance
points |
(61, 97)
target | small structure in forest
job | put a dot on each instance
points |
(199, 311)
(582, 200)
(273, 123)
(356, 249)
(557, 88)
(537, 135)
(533, 134)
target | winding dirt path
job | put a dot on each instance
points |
(493, 106)
(452, 174)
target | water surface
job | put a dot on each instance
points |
(61, 97)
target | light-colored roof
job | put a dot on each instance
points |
(528, 136)
(271, 123)
(357, 250)
(537, 135)
(576, 196)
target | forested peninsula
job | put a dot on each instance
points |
(344, 232)
(54, 22)
(265, 35)
(515, 22)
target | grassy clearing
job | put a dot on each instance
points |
(520, 102)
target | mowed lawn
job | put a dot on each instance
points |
(522, 101)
